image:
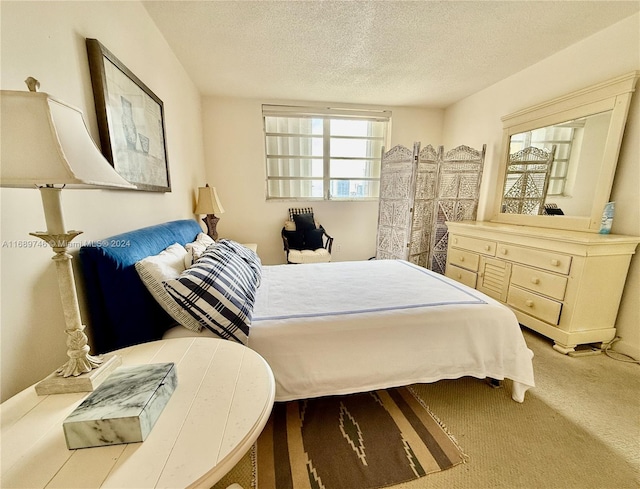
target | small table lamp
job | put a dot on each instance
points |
(209, 204)
(44, 143)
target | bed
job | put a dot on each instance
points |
(352, 327)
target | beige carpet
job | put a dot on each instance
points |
(579, 428)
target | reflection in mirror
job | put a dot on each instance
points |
(527, 180)
(568, 184)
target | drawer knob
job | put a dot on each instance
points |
(455, 240)
(535, 280)
(459, 276)
(529, 303)
(487, 247)
(555, 262)
(462, 258)
(503, 251)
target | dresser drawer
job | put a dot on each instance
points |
(473, 244)
(554, 262)
(461, 275)
(538, 281)
(535, 305)
(464, 259)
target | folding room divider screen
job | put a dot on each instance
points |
(419, 191)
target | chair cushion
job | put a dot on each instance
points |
(309, 256)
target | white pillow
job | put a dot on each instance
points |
(156, 269)
(291, 225)
(196, 248)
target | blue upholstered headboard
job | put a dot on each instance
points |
(122, 312)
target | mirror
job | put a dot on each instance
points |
(562, 179)
(559, 158)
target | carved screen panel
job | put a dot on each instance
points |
(397, 190)
(419, 192)
(423, 213)
(458, 189)
(527, 180)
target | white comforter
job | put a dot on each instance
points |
(344, 327)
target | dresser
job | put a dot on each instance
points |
(566, 285)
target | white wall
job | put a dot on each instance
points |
(609, 53)
(46, 40)
(235, 159)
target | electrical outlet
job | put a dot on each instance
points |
(338, 248)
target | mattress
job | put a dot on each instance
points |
(345, 327)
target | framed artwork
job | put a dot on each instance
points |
(130, 121)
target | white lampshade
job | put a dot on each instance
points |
(46, 142)
(208, 201)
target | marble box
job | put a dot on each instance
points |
(124, 408)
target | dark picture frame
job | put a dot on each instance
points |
(130, 121)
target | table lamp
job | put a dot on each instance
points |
(45, 144)
(209, 204)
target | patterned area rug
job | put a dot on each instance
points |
(359, 441)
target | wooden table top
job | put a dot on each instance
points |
(223, 399)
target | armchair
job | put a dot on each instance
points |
(304, 239)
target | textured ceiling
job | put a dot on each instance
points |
(406, 53)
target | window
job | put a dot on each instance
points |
(331, 154)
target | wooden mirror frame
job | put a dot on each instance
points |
(614, 95)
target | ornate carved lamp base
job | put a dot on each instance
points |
(82, 372)
(86, 382)
(211, 221)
